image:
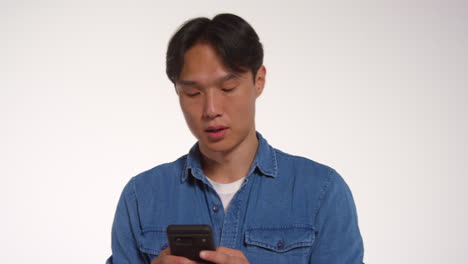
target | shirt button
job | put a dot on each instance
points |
(280, 244)
(215, 208)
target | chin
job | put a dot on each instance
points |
(219, 146)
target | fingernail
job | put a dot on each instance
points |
(203, 254)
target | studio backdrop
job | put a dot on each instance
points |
(375, 89)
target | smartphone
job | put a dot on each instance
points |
(188, 240)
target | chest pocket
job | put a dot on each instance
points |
(284, 244)
(153, 241)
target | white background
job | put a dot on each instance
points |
(375, 89)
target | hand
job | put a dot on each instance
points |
(165, 257)
(224, 255)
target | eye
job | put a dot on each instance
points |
(192, 94)
(229, 89)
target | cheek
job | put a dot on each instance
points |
(189, 113)
(245, 109)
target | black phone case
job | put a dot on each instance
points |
(188, 240)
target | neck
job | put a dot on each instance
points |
(231, 165)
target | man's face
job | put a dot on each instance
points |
(218, 104)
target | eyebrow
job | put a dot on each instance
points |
(222, 79)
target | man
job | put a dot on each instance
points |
(264, 206)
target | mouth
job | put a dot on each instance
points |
(214, 129)
(216, 133)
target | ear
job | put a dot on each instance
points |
(260, 80)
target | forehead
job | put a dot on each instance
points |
(202, 64)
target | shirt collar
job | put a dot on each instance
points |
(265, 161)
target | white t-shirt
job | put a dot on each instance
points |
(226, 190)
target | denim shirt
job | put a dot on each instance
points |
(288, 210)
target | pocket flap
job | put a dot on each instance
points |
(153, 241)
(280, 239)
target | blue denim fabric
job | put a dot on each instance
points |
(288, 210)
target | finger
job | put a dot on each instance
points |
(165, 252)
(170, 259)
(230, 251)
(214, 256)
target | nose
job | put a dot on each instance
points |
(212, 107)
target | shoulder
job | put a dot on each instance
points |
(312, 174)
(161, 175)
(302, 165)
(314, 178)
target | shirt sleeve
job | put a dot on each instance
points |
(125, 229)
(338, 239)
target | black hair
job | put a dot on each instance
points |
(234, 40)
